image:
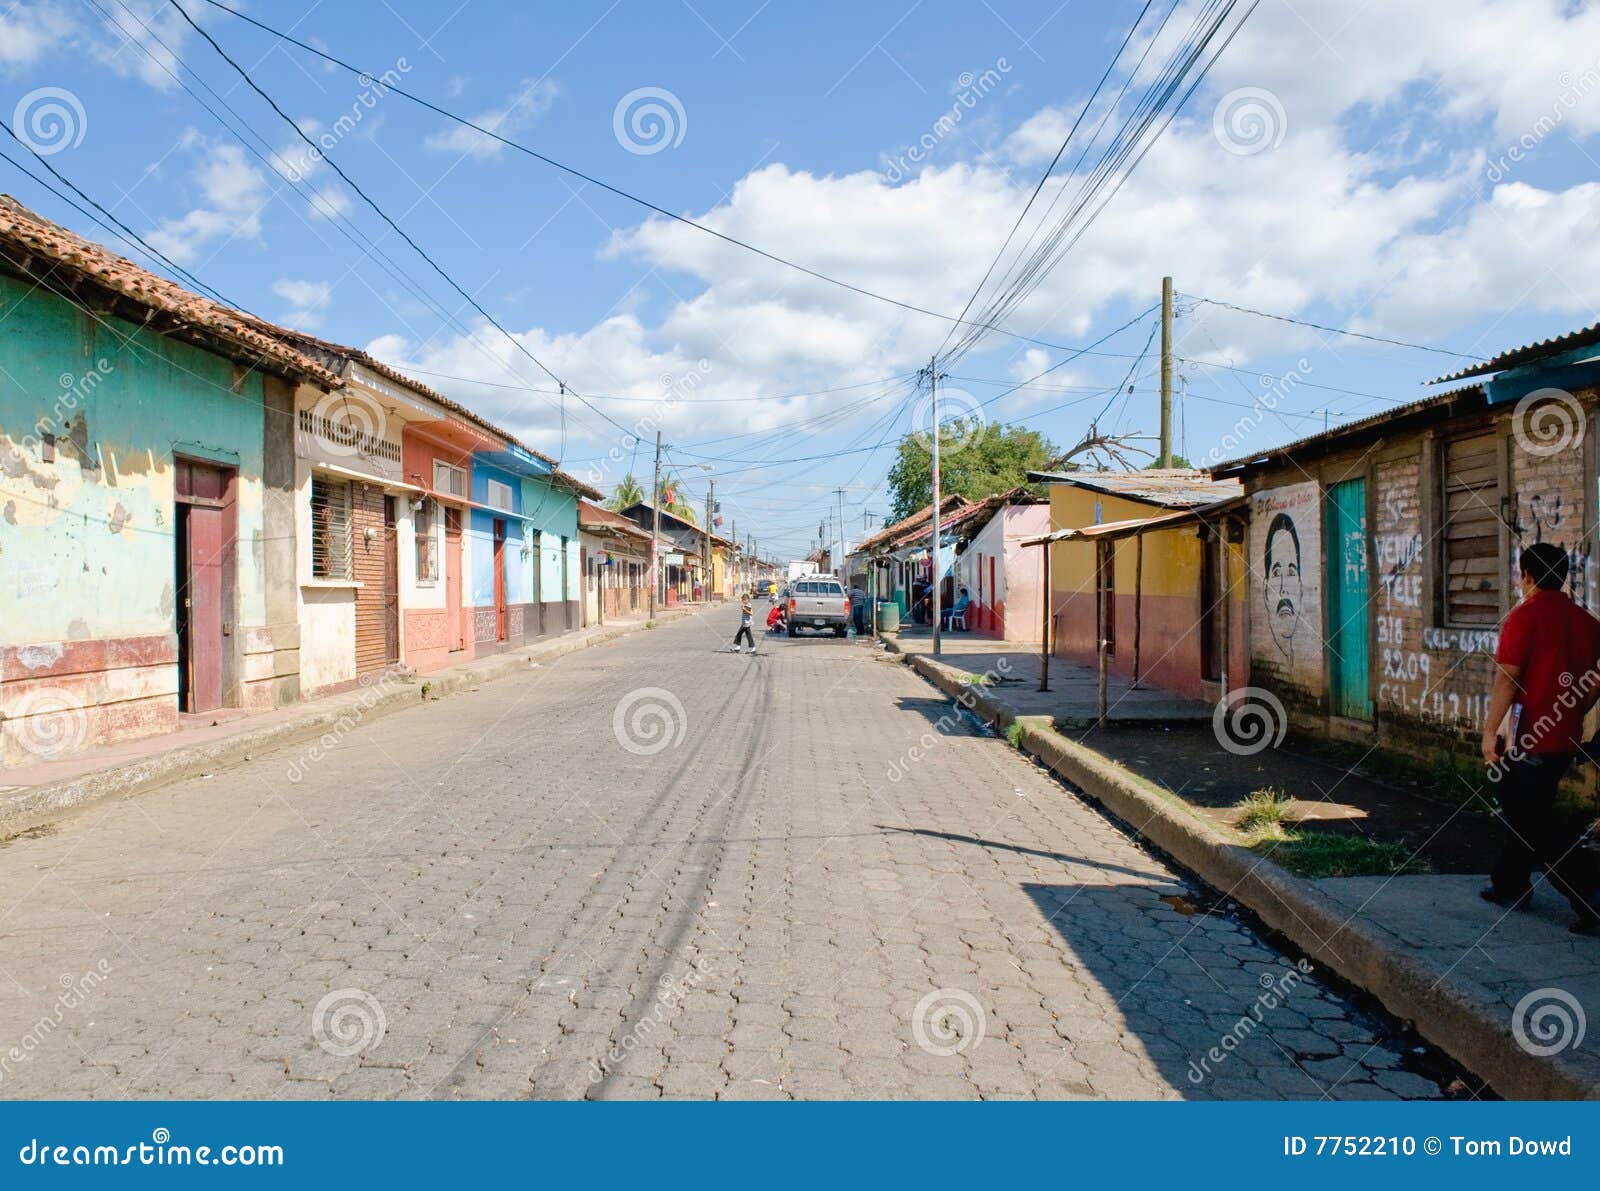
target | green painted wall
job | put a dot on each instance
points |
(86, 541)
(553, 514)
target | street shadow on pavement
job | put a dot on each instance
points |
(944, 715)
(1019, 849)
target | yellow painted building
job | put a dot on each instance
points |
(1165, 620)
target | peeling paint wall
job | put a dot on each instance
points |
(92, 415)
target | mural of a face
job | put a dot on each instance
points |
(1283, 587)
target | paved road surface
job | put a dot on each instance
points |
(791, 883)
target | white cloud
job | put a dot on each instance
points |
(143, 39)
(329, 202)
(307, 301)
(233, 193)
(1374, 204)
(29, 31)
(531, 100)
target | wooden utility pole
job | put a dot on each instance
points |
(1166, 372)
(936, 595)
(711, 504)
(1045, 602)
(656, 570)
(843, 578)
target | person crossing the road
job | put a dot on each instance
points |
(746, 615)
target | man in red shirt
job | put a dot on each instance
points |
(1549, 666)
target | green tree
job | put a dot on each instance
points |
(625, 494)
(975, 460)
(670, 498)
(1177, 461)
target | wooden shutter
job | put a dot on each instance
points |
(330, 528)
(1473, 569)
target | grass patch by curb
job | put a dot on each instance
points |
(1328, 854)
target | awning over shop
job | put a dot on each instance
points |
(1112, 531)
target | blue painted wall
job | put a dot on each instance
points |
(481, 529)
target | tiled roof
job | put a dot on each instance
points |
(1171, 487)
(891, 533)
(335, 354)
(1469, 397)
(1527, 354)
(594, 517)
(28, 240)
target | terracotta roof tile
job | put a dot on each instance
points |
(25, 234)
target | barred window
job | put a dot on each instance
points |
(424, 523)
(331, 536)
(1474, 571)
(449, 479)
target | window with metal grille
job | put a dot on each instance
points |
(424, 523)
(1471, 512)
(450, 479)
(331, 536)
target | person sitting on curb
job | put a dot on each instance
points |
(1548, 664)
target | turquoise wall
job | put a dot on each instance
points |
(86, 541)
(553, 514)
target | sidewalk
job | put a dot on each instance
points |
(1424, 945)
(32, 793)
(1073, 698)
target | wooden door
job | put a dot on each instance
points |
(1106, 592)
(204, 576)
(1348, 641)
(1211, 596)
(499, 579)
(452, 580)
(391, 581)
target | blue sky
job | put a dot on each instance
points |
(1344, 164)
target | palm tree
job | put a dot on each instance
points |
(670, 498)
(626, 494)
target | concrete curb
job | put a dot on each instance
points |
(384, 695)
(1474, 1030)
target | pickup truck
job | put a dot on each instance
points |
(818, 602)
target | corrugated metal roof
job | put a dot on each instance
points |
(1171, 487)
(1527, 354)
(1113, 530)
(892, 532)
(28, 239)
(594, 517)
(1328, 438)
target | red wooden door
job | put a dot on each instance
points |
(452, 579)
(204, 565)
(499, 580)
(995, 626)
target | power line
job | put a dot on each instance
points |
(603, 185)
(1300, 322)
(384, 215)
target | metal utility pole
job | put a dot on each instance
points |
(936, 595)
(711, 504)
(842, 576)
(656, 571)
(1166, 372)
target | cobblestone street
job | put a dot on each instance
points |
(651, 869)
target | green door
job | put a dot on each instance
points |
(1347, 599)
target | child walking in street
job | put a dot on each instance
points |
(744, 633)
